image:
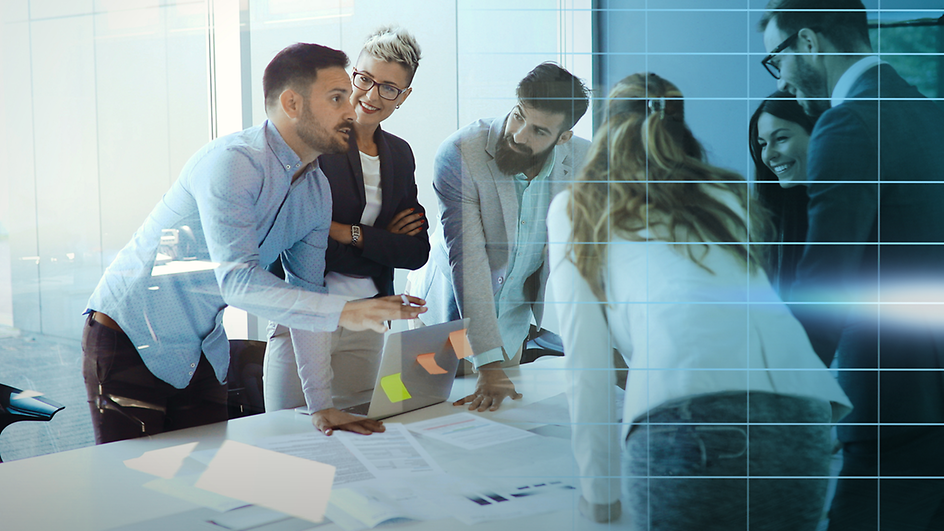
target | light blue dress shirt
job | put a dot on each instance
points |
(511, 305)
(234, 209)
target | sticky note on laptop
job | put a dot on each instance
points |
(394, 388)
(428, 361)
(460, 343)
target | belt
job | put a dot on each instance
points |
(105, 321)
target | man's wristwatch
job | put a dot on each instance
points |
(355, 234)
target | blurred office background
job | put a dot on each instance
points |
(103, 101)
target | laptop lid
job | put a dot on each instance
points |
(417, 370)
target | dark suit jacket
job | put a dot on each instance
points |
(383, 251)
(876, 235)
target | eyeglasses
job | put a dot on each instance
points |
(365, 83)
(768, 62)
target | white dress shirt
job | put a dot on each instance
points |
(850, 76)
(350, 286)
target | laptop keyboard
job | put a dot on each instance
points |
(359, 409)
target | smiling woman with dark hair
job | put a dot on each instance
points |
(778, 135)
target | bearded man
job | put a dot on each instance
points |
(495, 179)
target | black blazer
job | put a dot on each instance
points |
(872, 240)
(383, 251)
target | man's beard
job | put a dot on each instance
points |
(318, 138)
(812, 85)
(511, 162)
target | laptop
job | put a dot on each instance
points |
(417, 369)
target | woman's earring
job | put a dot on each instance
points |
(398, 106)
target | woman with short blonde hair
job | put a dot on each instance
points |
(377, 225)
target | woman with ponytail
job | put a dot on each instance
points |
(727, 408)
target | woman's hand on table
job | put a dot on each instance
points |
(331, 419)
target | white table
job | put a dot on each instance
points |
(91, 489)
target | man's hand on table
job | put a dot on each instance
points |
(372, 314)
(491, 389)
(328, 420)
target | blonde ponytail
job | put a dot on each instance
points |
(645, 168)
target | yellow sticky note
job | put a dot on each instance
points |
(460, 343)
(393, 386)
(428, 361)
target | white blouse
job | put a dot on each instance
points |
(682, 330)
(350, 286)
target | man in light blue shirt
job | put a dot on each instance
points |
(156, 354)
(495, 179)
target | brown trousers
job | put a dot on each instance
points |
(128, 401)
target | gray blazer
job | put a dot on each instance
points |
(477, 231)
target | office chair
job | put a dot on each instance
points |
(245, 377)
(541, 343)
(17, 405)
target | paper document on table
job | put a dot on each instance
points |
(245, 518)
(318, 447)
(484, 500)
(551, 410)
(183, 487)
(470, 500)
(386, 501)
(288, 484)
(162, 463)
(393, 453)
(468, 431)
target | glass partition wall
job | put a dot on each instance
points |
(105, 100)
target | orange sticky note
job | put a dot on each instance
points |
(460, 343)
(394, 388)
(428, 361)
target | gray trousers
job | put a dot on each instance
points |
(729, 461)
(355, 360)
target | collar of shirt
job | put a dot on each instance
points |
(545, 171)
(286, 155)
(850, 76)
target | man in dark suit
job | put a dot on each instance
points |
(873, 260)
